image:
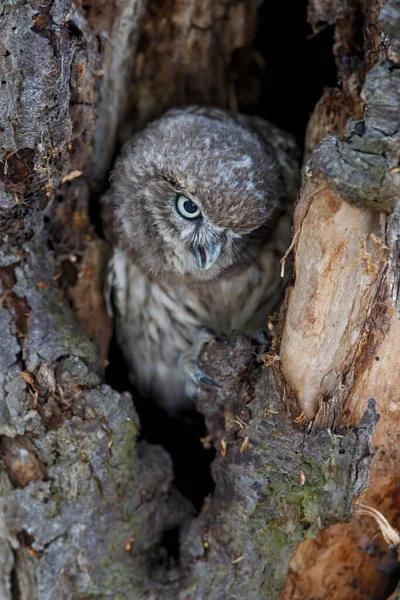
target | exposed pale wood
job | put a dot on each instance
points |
(332, 302)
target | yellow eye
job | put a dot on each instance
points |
(186, 208)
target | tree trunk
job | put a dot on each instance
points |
(85, 508)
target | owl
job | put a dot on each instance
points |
(200, 202)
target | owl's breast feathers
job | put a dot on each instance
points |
(157, 321)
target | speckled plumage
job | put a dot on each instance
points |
(242, 173)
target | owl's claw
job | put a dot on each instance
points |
(189, 366)
(203, 378)
(207, 334)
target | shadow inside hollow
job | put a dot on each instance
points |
(180, 437)
(297, 65)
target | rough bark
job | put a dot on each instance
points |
(343, 309)
(83, 507)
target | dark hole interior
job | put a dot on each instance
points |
(299, 65)
(296, 67)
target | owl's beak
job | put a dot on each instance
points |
(206, 256)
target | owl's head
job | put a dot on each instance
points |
(194, 195)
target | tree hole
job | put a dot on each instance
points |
(286, 70)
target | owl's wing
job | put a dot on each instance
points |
(108, 286)
(108, 219)
(280, 145)
(110, 230)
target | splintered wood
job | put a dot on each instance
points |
(328, 335)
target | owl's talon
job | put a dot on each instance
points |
(202, 378)
(189, 366)
(208, 334)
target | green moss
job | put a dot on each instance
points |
(271, 539)
(126, 448)
(307, 499)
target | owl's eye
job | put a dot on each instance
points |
(186, 208)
